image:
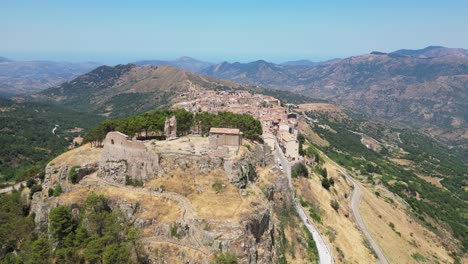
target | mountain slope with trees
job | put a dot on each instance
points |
(429, 93)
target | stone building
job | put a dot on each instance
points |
(122, 156)
(289, 145)
(225, 137)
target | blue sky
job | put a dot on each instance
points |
(123, 31)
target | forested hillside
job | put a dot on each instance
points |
(26, 138)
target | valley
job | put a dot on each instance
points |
(308, 182)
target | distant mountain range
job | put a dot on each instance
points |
(432, 52)
(32, 76)
(3, 59)
(307, 62)
(186, 63)
(425, 88)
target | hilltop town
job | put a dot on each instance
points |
(278, 124)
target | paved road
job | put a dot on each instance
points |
(354, 204)
(10, 188)
(325, 256)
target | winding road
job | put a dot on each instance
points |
(354, 205)
(325, 256)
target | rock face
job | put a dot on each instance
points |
(172, 162)
(123, 157)
(243, 170)
(170, 128)
(249, 235)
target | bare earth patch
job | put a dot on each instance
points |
(432, 180)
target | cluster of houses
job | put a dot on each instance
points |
(278, 124)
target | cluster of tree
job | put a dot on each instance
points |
(326, 182)
(301, 140)
(151, 124)
(16, 227)
(248, 125)
(312, 153)
(97, 234)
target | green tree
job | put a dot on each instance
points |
(73, 174)
(30, 182)
(117, 253)
(15, 225)
(93, 250)
(58, 190)
(40, 251)
(61, 223)
(326, 183)
(324, 173)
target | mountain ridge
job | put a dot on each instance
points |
(430, 93)
(184, 62)
(18, 77)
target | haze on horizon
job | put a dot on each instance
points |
(123, 31)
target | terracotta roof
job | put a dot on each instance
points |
(217, 130)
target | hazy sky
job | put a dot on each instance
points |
(237, 30)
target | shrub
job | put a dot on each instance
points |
(324, 173)
(30, 182)
(57, 190)
(42, 175)
(34, 189)
(335, 205)
(174, 232)
(133, 182)
(73, 174)
(225, 258)
(300, 170)
(326, 183)
(217, 186)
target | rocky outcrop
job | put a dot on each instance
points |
(253, 242)
(202, 164)
(40, 208)
(241, 171)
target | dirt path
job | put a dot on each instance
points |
(158, 239)
(16, 186)
(188, 213)
(354, 205)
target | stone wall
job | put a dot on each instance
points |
(122, 157)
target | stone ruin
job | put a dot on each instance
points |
(170, 128)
